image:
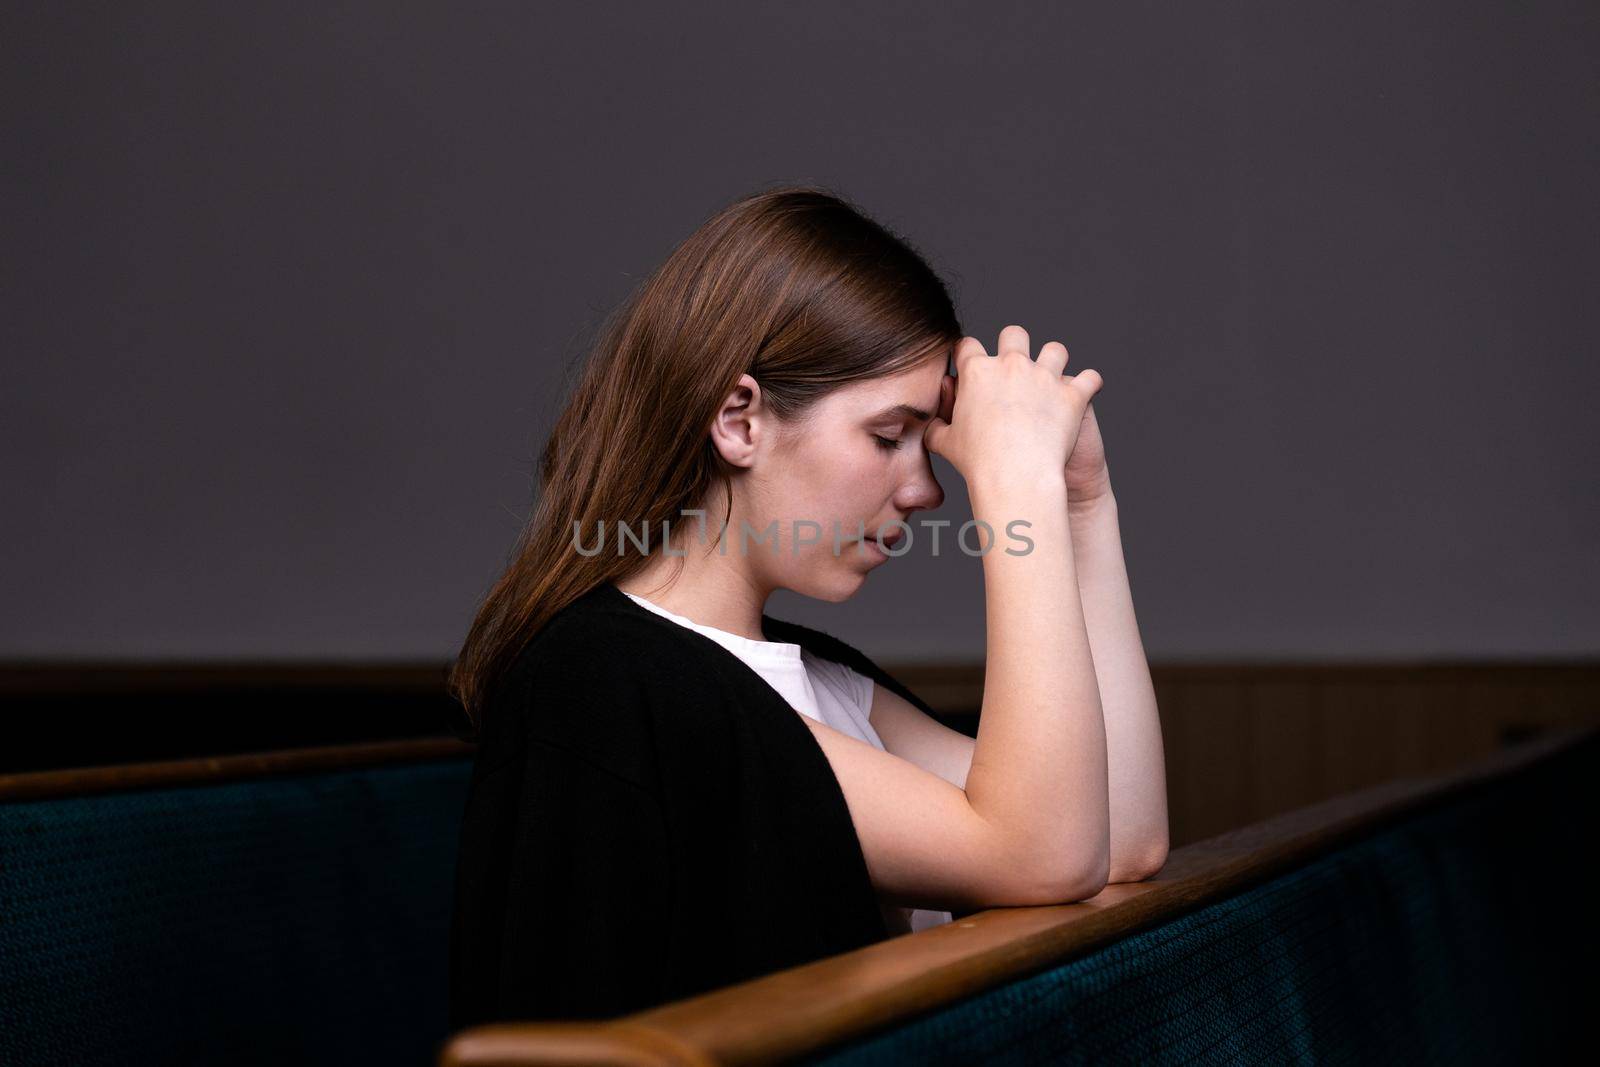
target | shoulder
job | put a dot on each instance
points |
(607, 650)
(595, 677)
(588, 639)
(829, 647)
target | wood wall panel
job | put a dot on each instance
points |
(1246, 742)
(1243, 742)
(1208, 748)
(1288, 768)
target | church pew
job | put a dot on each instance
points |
(294, 907)
(1421, 919)
(273, 908)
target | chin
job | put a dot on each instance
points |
(833, 579)
(842, 591)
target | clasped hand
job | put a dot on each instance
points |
(1001, 417)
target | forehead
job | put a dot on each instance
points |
(917, 385)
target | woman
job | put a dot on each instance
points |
(649, 817)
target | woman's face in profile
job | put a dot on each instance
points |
(852, 466)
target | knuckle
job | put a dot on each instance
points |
(968, 348)
(1014, 336)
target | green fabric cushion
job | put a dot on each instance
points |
(1450, 937)
(282, 920)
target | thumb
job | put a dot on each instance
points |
(947, 397)
(934, 431)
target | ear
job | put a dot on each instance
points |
(737, 427)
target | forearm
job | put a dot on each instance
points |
(1039, 765)
(1135, 764)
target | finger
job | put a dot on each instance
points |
(1012, 339)
(966, 349)
(1053, 354)
(1087, 382)
(933, 435)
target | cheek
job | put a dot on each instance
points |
(856, 484)
(820, 473)
(835, 482)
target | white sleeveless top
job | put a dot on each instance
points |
(828, 692)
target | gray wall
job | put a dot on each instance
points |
(289, 296)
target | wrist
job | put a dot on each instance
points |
(1000, 501)
(1013, 484)
(1088, 505)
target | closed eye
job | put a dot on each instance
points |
(888, 444)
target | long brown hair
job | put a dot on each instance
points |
(795, 287)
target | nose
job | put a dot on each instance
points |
(922, 493)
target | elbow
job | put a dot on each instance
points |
(1086, 886)
(1083, 875)
(1080, 880)
(1083, 883)
(1141, 863)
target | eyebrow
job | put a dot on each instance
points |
(904, 411)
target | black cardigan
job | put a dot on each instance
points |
(648, 819)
